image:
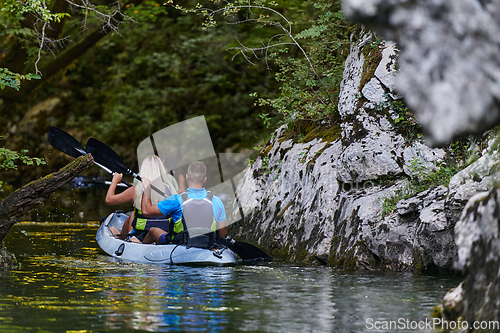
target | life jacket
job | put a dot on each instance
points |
(199, 219)
(198, 213)
(142, 222)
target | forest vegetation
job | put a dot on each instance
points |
(120, 71)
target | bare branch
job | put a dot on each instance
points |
(230, 9)
(108, 20)
(42, 42)
(253, 50)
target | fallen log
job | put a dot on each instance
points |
(24, 199)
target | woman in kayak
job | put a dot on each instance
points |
(127, 196)
(138, 224)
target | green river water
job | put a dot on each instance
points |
(67, 284)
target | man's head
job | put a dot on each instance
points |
(197, 173)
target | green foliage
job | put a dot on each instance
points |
(310, 82)
(309, 62)
(266, 165)
(13, 80)
(465, 150)
(404, 123)
(166, 69)
(426, 178)
(162, 71)
(13, 15)
(39, 7)
(8, 159)
(389, 203)
(423, 179)
(303, 156)
(267, 168)
(376, 43)
(31, 29)
(265, 119)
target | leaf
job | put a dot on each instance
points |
(314, 31)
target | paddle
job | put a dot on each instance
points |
(244, 250)
(67, 144)
(109, 158)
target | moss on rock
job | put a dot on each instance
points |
(373, 56)
(327, 134)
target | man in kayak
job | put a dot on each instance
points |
(201, 209)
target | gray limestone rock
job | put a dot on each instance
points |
(450, 68)
(477, 236)
(323, 200)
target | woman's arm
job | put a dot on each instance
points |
(182, 184)
(123, 197)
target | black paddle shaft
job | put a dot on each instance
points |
(67, 144)
(106, 156)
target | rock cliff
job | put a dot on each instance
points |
(322, 200)
(450, 76)
(477, 237)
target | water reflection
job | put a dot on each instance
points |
(66, 283)
(291, 299)
(168, 298)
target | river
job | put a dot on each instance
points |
(67, 284)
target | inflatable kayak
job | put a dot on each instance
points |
(157, 254)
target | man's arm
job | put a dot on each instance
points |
(147, 206)
(220, 216)
(222, 229)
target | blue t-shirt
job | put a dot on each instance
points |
(217, 205)
(171, 205)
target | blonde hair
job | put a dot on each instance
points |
(152, 168)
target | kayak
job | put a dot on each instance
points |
(157, 254)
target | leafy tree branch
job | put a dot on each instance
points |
(233, 9)
(310, 57)
(32, 22)
(13, 80)
(9, 158)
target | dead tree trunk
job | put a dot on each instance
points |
(24, 199)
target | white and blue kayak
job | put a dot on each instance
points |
(157, 254)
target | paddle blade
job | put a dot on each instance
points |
(250, 252)
(244, 250)
(106, 156)
(64, 142)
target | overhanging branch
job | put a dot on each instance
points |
(24, 199)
